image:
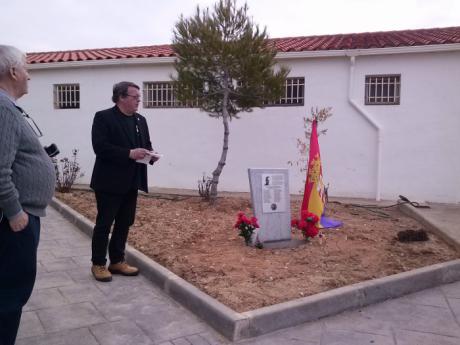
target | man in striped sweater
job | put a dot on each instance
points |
(27, 180)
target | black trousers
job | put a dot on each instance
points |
(18, 268)
(111, 208)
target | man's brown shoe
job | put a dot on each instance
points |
(101, 273)
(124, 269)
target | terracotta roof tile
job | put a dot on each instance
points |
(366, 40)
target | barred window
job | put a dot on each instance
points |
(162, 95)
(382, 89)
(294, 93)
(158, 94)
(67, 96)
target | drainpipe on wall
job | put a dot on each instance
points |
(373, 123)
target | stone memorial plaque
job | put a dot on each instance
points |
(271, 203)
(273, 193)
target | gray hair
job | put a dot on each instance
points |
(10, 57)
(121, 89)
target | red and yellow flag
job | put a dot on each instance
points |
(313, 197)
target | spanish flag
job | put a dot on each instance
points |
(314, 194)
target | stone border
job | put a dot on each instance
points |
(236, 326)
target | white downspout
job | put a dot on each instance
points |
(374, 124)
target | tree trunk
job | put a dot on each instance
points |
(220, 166)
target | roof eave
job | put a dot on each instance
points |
(279, 56)
(372, 51)
(107, 62)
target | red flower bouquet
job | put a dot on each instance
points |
(306, 224)
(246, 226)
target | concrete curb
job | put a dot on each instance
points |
(236, 326)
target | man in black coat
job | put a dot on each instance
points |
(120, 136)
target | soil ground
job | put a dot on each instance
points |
(199, 243)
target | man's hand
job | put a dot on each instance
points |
(19, 222)
(138, 153)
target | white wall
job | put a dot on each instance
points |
(420, 147)
(419, 144)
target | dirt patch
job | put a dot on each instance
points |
(198, 243)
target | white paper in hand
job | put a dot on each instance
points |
(148, 157)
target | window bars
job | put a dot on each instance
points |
(382, 89)
(162, 95)
(67, 96)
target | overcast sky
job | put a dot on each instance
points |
(52, 25)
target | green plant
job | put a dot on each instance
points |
(225, 65)
(67, 171)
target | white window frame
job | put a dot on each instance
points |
(66, 96)
(382, 89)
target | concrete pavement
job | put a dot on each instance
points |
(68, 307)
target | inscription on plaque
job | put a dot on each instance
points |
(273, 193)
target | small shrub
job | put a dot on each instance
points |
(204, 187)
(67, 171)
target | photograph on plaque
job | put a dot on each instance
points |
(273, 193)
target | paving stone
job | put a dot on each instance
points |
(68, 337)
(269, 339)
(40, 268)
(59, 264)
(164, 322)
(87, 292)
(84, 242)
(451, 290)
(358, 321)
(355, 338)
(70, 317)
(44, 254)
(30, 325)
(52, 279)
(415, 317)
(67, 252)
(431, 297)
(454, 304)
(214, 338)
(124, 289)
(82, 275)
(120, 333)
(197, 340)
(83, 261)
(47, 244)
(61, 231)
(181, 341)
(306, 334)
(123, 283)
(44, 298)
(129, 306)
(419, 338)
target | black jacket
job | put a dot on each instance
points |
(113, 170)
